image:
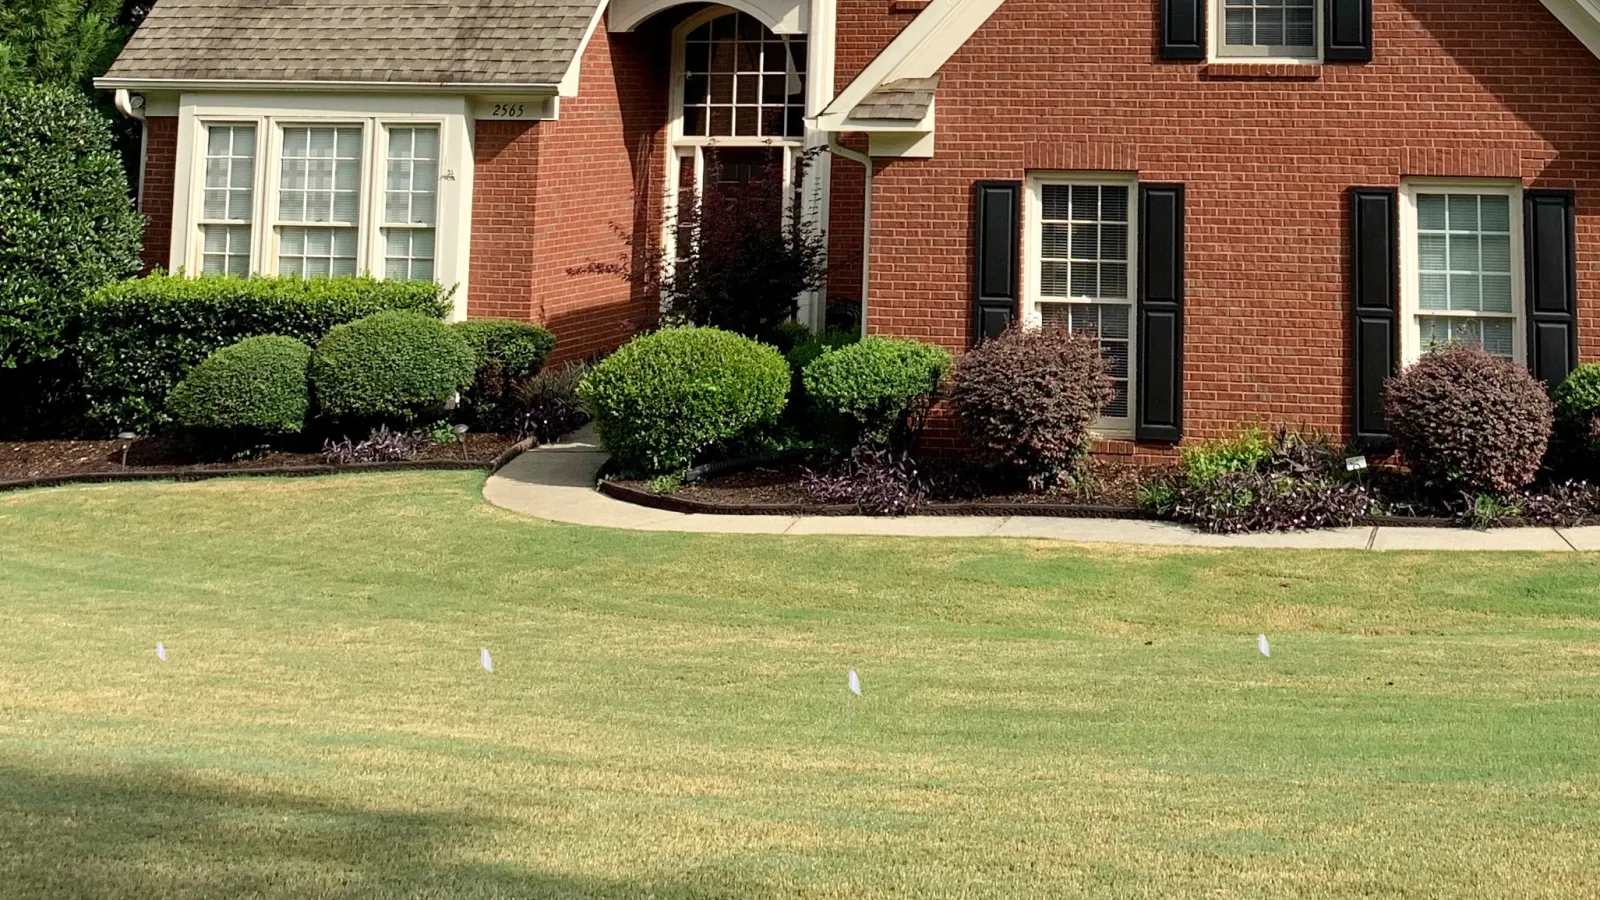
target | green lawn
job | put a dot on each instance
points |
(668, 713)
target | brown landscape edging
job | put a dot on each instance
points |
(410, 465)
(679, 504)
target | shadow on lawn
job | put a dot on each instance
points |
(154, 834)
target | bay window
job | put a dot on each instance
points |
(411, 203)
(319, 201)
(227, 204)
(297, 190)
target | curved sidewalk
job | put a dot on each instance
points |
(556, 482)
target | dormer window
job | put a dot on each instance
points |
(1266, 30)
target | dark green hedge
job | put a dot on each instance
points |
(508, 354)
(255, 387)
(66, 224)
(390, 367)
(138, 338)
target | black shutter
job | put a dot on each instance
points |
(1552, 282)
(1375, 291)
(996, 243)
(1347, 25)
(1160, 375)
(1183, 29)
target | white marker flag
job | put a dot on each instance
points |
(488, 664)
(1261, 641)
(855, 683)
(161, 652)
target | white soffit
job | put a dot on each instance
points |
(782, 16)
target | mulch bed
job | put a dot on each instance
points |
(22, 461)
(1110, 490)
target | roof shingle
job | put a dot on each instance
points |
(903, 100)
(469, 42)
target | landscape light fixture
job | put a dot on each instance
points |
(127, 437)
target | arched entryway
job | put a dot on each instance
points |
(736, 108)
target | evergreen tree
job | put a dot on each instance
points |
(67, 43)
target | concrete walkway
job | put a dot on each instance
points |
(557, 482)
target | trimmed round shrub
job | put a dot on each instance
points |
(1577, 401)
(787, 335)
(805, 352)
(507, 354)
(66, 224)
(257, 385)
(877, 386)
(1464, 419)
(665, 398)
(1026, 399)
(392, 366)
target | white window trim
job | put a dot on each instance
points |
(366, 262)
(1218, 53)
(1033, 213)
(681, 149)
(270, 113)
(201, 220)
(1410, 265)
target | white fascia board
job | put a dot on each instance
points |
(203, 85)
(1582, 18)
(918, 51)
(569, 81)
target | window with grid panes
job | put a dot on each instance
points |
(1465, 282)
(319, 201)
(227, 204)
(1084, 264)
(741, 80)
(410, 207)
(1267, 28)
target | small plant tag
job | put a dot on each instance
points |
(1355, 463)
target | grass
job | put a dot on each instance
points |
(668, 715)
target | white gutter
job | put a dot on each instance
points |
(866, 218)
(413, 87)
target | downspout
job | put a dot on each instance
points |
(125, 104)
(866, 216)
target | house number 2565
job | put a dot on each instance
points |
(509, 111)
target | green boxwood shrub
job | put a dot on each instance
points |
(257, 387)
(1578, 402)
(665, 398)
(804, 352)
(878, 388)
(506, 354)
(138, 338)
(66, 224)
(391, 367)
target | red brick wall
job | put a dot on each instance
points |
(1458, 87)
(503, 260)
(603, 179)
(156, 189)
(551, 196)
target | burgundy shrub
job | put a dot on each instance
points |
(1026, 399)
(1466, 419)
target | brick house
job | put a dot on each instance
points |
(1262, 207)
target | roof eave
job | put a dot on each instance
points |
(113, 83)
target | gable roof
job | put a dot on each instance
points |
(510, 43)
